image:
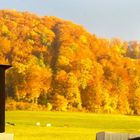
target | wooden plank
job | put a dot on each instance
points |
(2, 97)
(116, 136)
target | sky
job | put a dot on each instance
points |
(105, 18)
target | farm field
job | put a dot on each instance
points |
(67, 125)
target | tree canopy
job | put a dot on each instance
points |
(59, 65)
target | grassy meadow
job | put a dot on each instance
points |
(67, 125)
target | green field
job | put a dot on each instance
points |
(67, 125)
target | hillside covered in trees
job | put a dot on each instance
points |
(58, 65)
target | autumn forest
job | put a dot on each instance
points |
(58, 65)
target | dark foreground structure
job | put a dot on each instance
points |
(116, 136)
(2, 97)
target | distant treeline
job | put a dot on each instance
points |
(58, 65)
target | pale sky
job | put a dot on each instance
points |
(105, 18)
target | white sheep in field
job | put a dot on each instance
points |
(37, 123)
(48, 124)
